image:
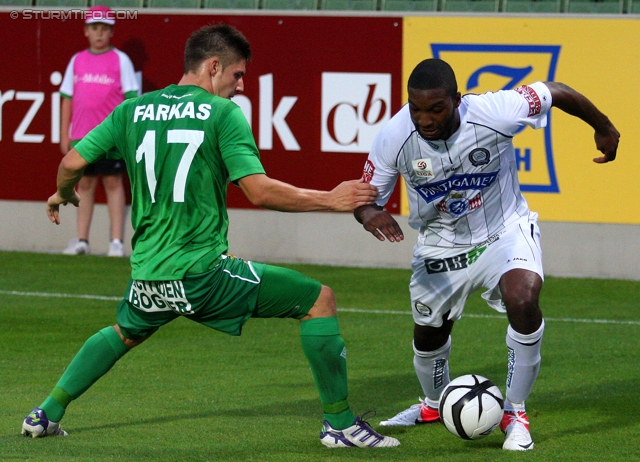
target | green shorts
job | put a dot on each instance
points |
(223, 298)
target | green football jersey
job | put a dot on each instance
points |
(182, 146)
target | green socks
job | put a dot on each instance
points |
(325, 349)
(96, 357)
(321, 343)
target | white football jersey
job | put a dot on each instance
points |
(465, 189)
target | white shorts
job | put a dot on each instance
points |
(440, 284)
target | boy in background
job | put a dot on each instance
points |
(95, 82)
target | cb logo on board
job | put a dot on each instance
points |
(355, 106)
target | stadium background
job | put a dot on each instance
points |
(320, 86)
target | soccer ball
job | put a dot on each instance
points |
(471, 407)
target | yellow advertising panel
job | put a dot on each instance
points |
(598, 57)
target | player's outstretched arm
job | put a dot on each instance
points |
(69, 174)
(277, 195)
(379, 222)
(570, 101)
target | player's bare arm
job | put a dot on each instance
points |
(276, 195)
(379, 222)
(69, 174)
(570, 101)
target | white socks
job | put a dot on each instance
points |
(523, 367)
(432, 369)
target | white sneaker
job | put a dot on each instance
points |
(515, 426)
(36, 425)
(116, 248)
(417, 414)
(77, 247)
(360, 434)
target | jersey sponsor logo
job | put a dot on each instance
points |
(159, 296)
(492, 67)
(354, 107)
(423, 168)
(100, 79)
(369, 170)
(466, 182)
(530, 95)
(443, 265)
(165, 112)
(479, 156)
(164, 95)
(494, 237)
(457, 204)
(455, 263)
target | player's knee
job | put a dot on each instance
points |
(325, 305)
(427, 338)
(520, 288)
(524, 316)
(129, 343)
(526, 307)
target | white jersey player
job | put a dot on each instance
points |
(475, 228)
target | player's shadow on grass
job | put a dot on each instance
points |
(373, 393)
(390, 394)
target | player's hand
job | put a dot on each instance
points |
(352, 194)
(379, 222)
(607, 142)
(54, 202)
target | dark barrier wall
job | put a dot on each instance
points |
(317, 90)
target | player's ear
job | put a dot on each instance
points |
(214, 66)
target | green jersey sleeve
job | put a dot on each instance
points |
(100, 142)
(237, 145)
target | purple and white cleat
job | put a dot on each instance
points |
(360, 434)
(36, 425)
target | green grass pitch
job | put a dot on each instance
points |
(193, 394)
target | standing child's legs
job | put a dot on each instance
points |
(87, 191)
(114, 188)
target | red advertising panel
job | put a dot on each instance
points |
(316, 91)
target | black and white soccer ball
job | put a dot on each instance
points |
(471, 407)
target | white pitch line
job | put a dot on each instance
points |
(53, 295)
(496, 316)
(345, 310)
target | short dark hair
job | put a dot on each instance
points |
(221, 40)
(431, 74)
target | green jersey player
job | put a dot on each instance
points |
(182, 146)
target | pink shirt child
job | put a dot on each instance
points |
(97, 83)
